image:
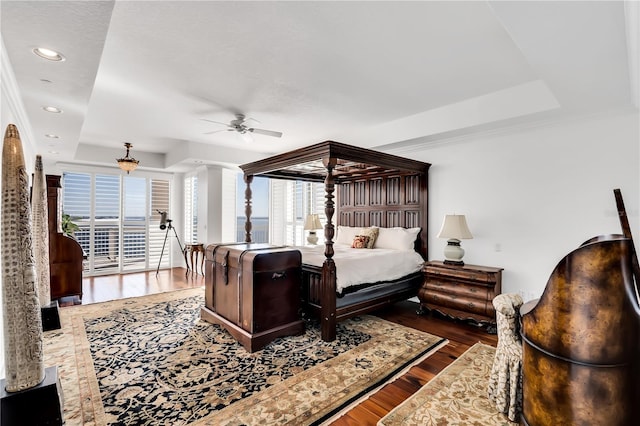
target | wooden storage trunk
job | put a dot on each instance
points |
(253, 291)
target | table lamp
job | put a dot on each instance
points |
(311, 224)
(454, 227)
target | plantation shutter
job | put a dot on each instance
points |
(160, 191)
(191, 209)
(278, 212)
(76, 204)
(291, 202)
(106, 231)
(134, 225)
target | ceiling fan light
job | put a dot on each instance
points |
(127, 164)
(247, 137)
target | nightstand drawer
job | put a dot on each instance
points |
(463, 272)
(461, 303)
(461, 288)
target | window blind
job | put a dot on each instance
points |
(160, 198)
(191, 209)
(291, 202)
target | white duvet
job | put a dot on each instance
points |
(359, 266)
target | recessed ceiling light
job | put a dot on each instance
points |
(48, 54)
(54, 152)
(49, 135)
(52, 109)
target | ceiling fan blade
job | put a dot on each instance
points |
(266, 132)
(218, 131)
(212, 121)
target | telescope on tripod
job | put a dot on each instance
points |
(165, 223)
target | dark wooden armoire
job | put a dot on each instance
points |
(65, 253)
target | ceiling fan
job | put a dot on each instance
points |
(240, 125)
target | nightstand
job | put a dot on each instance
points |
(461, 292)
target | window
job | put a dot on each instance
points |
(191, 209)
(118, 220)
(291, 202)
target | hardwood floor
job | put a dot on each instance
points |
(110, 287)
(461, 336)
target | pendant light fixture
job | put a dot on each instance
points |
(128, 164)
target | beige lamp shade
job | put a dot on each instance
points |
(454, 227)
(312, 223)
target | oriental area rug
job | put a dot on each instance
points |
(457, 396)
(151, 361)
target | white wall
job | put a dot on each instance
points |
(534, 194)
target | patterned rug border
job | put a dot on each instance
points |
(375, 387)
(444, 380)
(91, 410)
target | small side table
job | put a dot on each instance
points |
(461, 292)
(194, 249)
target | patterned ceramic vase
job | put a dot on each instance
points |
(40, 220)
(23, 353)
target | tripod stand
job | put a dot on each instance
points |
(169, 226)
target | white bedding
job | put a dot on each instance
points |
(359, 266)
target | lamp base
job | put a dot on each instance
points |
(453, 253)
(312, 238)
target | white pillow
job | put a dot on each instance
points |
(397, 238)
(346, 234)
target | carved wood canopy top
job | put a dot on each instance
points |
(350, 163)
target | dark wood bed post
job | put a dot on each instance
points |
(247, 208)
(328, 294)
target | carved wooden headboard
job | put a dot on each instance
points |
(385, 201)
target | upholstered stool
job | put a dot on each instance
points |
(505, 382)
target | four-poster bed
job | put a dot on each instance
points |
(373, 189)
